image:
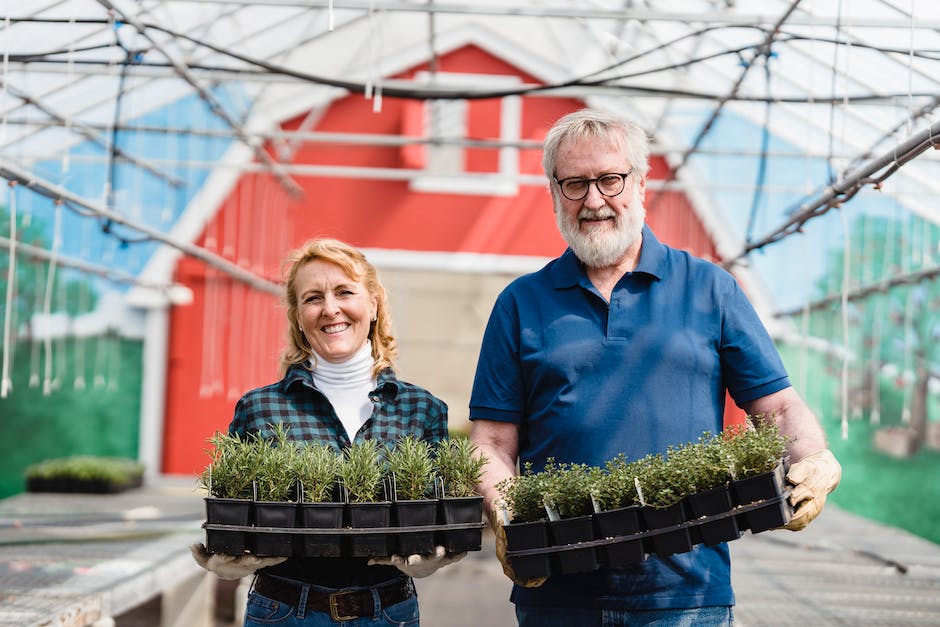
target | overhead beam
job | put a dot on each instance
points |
(213, 103)
(13, 172)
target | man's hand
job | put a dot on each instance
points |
(813, 477)
(501, 547)
(231, 566)
(418, 566)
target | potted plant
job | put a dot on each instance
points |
(362, 472)
(757, 451)
(663, 485)
(84, 473)
(228, 481)
(707, 475)
(275, 506)
(316, 467)
(566, 492)
(459, 467)
(618, 515)
(411, 470)
(524, 514)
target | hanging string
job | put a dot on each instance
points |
(762, 161)
(35, 343)
(47, 299)
(373, 87)
(910, 75)
(908, 328)
(70, 79)
(846, 262)
(6, 384)
(832, 86)
(330, 18)
(6, 74)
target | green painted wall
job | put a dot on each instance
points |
(101, 419)
(900, 492)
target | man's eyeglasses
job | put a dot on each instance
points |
(610, 184)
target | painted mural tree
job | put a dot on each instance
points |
(894, 330)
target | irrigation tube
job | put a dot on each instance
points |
(849, 186)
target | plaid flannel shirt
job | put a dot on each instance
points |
(399, 408)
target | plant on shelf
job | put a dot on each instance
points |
(316, 467)
(460, 466)
(754, 447)
(233, 466)
(276, 479)
(84, 473)
(410, 465)
(362, 471)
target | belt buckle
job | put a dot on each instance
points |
(334, 612)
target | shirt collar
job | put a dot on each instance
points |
(386, 381)
(569, 272)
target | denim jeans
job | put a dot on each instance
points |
(718, 616)
(264, 612)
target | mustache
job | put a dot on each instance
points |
(600, 214)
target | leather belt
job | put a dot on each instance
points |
(341, 605)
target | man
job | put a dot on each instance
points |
(625, 345)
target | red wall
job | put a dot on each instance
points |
(215, 357)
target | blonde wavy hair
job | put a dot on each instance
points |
(358, 268)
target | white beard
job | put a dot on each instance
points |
(602, 249)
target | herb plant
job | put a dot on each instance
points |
(460, 466)
(754, 447)
(362, 471)
(522, 495)
(614, 486)
(276, 479)
(567, 488)
(233, 467)
(316, 467)
(409, 462)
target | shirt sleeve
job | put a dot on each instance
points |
(750, 363)
(498, 391)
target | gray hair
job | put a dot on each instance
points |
(605, 127)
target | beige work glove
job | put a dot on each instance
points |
(813, 477)
(231, 566)
(416, 565)
(501, 547)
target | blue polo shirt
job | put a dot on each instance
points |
(586, 380)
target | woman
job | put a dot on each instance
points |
(338, 387)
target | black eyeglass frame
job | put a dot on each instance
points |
(623, 179)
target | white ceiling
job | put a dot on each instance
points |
(848, 91)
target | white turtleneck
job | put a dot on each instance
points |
(347, 386)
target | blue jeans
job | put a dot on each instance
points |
(264, 612)
(718, 616)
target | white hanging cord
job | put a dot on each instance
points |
(330, 18)
(79, 343)
(70, 78)
(35, 343)
(910, 76)
(846, 261)
(6, 384)
(804, 328)
(6, 73)
(373, 87)
(908, 335)
(47, 383)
